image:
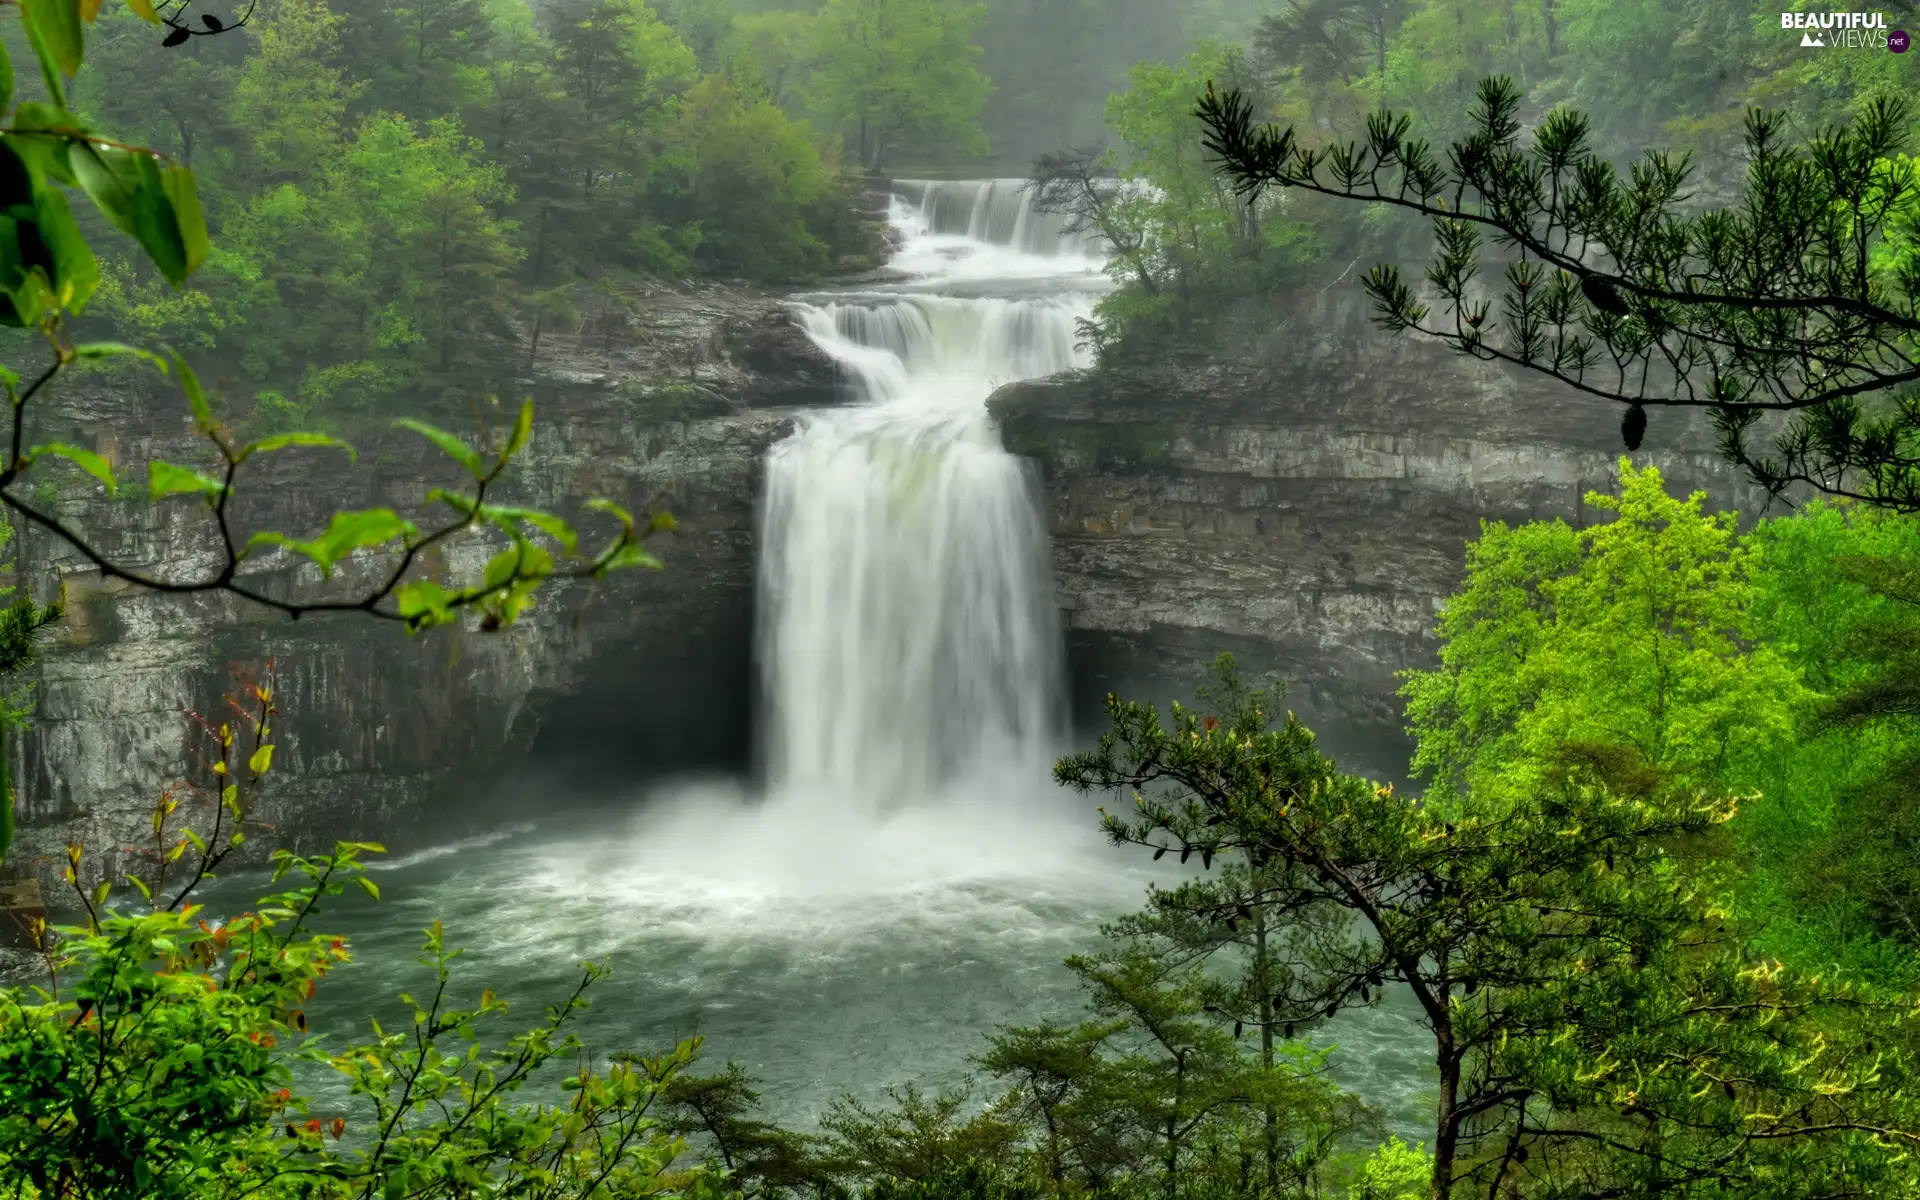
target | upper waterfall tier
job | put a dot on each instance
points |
(996, 211)
(985, 230)
(945, 349)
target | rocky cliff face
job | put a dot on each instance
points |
(1304, 503)
(670, 409)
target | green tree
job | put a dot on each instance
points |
(1183, 244)
(293, 94)
(424, 58)
(1328, 40)
(1635, 632)
(286, 120)
(1596, 1029)
(749, 181)
(1201, 1115)
(1834, 868)
(760, 1158)
(1643, 90)
(431, 241)
(181, 102)
(1056, 1073)
(900, 76)
(774, 50)
(968, 1181)
(1193, 220)
(915, 1137)
(391, 267)
(617, 71)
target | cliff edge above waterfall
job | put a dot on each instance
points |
(1302, 498)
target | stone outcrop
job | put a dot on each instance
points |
(667, 404)
(1304, 503)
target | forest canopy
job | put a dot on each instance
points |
(404, 195)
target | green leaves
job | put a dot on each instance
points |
(103, 350)
(282, 441)
(423, 604)
(345, 533)
(626, 551)
(157, 206)
(169, 479)
(88, 461)
(522, 431)
(1633, 632)
(189, 223)
(6, 80)
(196, 395)
(518, 522)
(350, 531)
(45, 263)
(449, 445)
(55, 30)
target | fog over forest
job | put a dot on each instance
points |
(926, 600)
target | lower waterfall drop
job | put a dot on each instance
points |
(908, 629)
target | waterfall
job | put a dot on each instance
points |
(986, 230)
(908, 631)
(997, 212)
(946, 350)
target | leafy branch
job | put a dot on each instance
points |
(1798, 302)
(507, 584)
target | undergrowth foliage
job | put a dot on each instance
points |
(157, 1056)
(1598, 1026)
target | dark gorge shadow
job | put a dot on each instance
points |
(652, 705)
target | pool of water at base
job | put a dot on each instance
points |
(827, 956)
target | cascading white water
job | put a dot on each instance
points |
(986, 230)
(908, 628)
(997, 212)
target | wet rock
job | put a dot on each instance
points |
(1304, 502)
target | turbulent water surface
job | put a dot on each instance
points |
(904, 877)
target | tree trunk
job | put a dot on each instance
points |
(1271, 1117)
(1552, 26)
(1055, 1171)
(446, 290)
(539, 263)
(1172, 1164)
(1446, 1129)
